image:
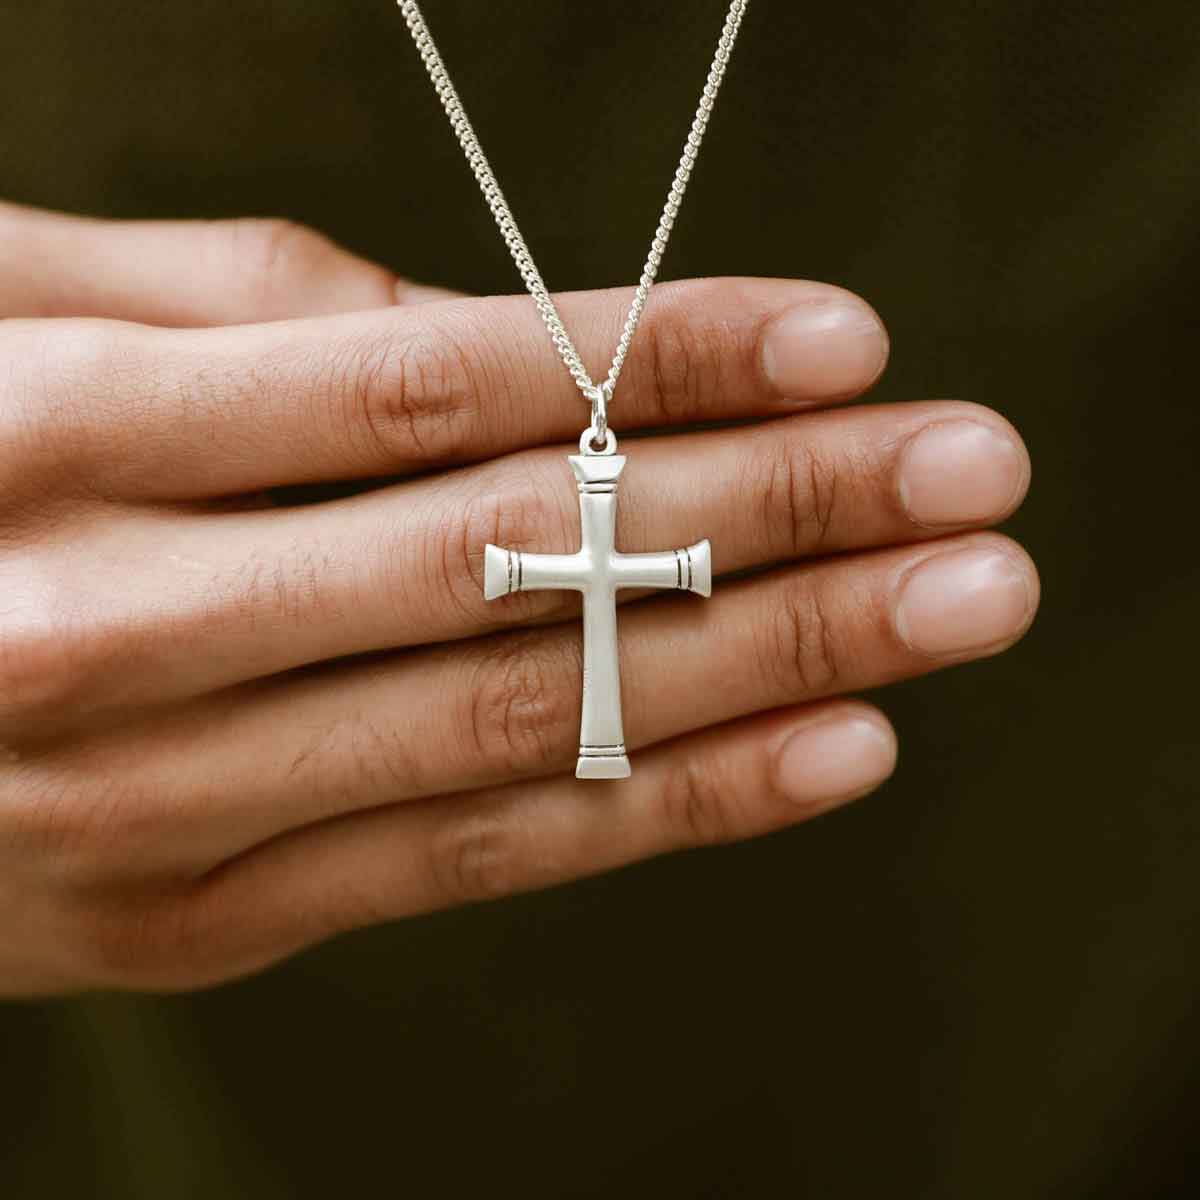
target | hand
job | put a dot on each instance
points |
(230, 728)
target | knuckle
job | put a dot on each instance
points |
(107, 941)
(523, 704)
(55, 660)
(153, 938)
(695, 805)
(405, 393)
(803, 486)
(79, 355)
(474, 857)
(81, 825)
(519, 510)
(53, 374)
(823, 500)
(88, 835)
(784, 492)
(270, 251)
(41, 671)
(684, 355)
(801, 648)
(42, 814)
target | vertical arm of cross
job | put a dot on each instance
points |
(601, 732)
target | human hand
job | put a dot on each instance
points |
(229, 729)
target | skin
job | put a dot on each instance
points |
(233, 725)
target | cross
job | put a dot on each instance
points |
(598, 570)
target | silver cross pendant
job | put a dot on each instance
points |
(598, 570)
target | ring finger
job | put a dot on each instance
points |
(449, 718)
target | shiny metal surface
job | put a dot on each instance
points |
(598, 570)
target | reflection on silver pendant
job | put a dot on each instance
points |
(598, 570)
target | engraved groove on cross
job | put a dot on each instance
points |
(598, 570)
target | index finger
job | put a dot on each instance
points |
(184, 272)
(401, 390)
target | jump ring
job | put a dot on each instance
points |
(591, 435)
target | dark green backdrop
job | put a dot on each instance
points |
(981, 982)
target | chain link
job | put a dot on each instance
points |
(597, 394)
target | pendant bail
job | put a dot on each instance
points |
(597, 437)
(599, 398)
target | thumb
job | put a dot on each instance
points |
(184, 272)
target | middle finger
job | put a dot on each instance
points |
(209, 601)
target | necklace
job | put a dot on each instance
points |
(598, 570)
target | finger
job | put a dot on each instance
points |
(212, 412)
(183, 273)
(307, 748)
(738, 781)
(209, 601)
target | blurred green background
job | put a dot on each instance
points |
(981, 982)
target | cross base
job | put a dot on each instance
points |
(602, 762)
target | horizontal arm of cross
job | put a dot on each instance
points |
(689, 569)
(507, 571)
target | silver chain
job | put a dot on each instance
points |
(598, 395)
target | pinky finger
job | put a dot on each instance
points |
(735, 781)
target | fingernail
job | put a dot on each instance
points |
(818, 351)
(834, 759)
(955, 472)
(963, 600)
